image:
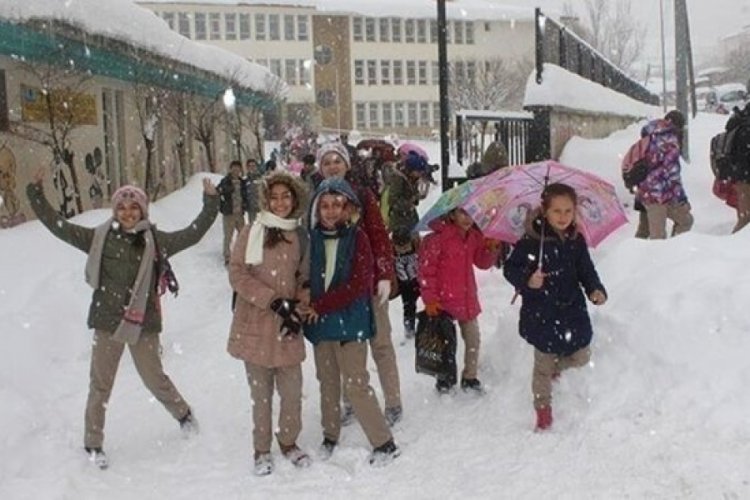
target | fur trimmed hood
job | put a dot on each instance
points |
(293, 183)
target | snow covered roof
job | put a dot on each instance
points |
(561, 88)
(137, 26)
(474, 10)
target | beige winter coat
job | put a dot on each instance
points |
(255, 332)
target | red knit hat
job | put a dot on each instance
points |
(127, 193)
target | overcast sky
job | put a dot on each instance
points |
(709, 19)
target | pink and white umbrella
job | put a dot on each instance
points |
(409, 147)
(500, 201)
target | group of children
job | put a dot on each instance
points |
(315, 270)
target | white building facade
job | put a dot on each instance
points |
(352, 67)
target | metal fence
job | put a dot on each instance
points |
(555, 44)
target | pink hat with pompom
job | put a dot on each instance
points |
(131, 193)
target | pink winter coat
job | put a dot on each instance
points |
(446, 269)
(254, 334)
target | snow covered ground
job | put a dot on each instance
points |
(661, 412)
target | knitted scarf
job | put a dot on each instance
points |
(129, 329)
(346, 236)
(257, 236)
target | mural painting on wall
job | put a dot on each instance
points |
(65, 193)
(94, 161)
(10, 204)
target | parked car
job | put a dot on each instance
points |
(723, 98)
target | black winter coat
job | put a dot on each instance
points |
(554, 318)
(225, 189)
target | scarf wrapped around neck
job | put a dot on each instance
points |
(129, 329)
(257, 236)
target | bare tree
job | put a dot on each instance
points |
(175, 112)
(61, 87)
(738, 64)
(149, 103)
(495, 84)
(611, 28)
(205, 114)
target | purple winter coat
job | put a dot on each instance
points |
(663, 184)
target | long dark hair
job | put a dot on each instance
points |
(274, 235)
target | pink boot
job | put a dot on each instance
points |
(543, 418)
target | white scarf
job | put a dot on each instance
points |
(257, 236)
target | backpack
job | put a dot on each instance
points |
(728, 162)
(635, 164)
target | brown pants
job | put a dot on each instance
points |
(470, 334)
(743, 205)
(335, 362)
(232, 223)
(546, 366)
(105, 358)
(658, 214)
(288, 381)
(384, 355)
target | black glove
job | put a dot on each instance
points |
(291, 322)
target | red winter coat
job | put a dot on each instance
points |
(446, 269)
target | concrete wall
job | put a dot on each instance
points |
(564, 124)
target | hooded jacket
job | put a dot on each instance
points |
(663, 184)
(554, 318)
(445, 271)
(121, 259)
(255, 331)
(345, 305)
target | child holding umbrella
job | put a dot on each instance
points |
(548, 267)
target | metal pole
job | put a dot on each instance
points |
(338, 99)
(663, 58)
(445, 157)
(681, 66)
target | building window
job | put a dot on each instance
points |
(370, 29)
(470, 32)
(357, 31)
(399, 115)
(374, 118)
(433, 31)
(409, 31)
(424, 114)
(372, 72)
(448, 31)
(435, 72)
(385, 72)
(387, 114)
(302, 32)
(304, 72)
(361, 113)
(398, 72)
(288, 27)
(244, 26)
(169, 19)
(436, 114)
(260, 26)
(4, 120)
(230, 26)
(385, 29)
(412, 116)
(458, 26)
(200, 26)
(411, 72)
(275, 67)
(183, 24)
(290, 71)
(359, 72)
(423, 72)
(471, 72)
(274, 27)
(459, 75)
(215, 25)
(395, 31)
(422, 31)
